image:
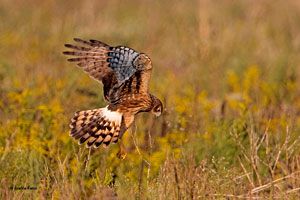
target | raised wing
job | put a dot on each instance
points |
(98, 59)
(122, 70)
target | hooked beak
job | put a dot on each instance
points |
(157, 114)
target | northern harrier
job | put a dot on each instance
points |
(125, 74)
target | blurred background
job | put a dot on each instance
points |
(227, 72)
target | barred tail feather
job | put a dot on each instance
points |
(96, 127)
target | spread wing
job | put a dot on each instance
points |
(122, 70)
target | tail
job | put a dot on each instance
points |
(98, 126)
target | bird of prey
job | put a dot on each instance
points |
(125, 75)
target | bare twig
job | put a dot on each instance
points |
(259, 142)
(268, 185)
(293, 190)
(246, 173)
(177, 182)
(253, 152)
(281, 149)
(230, 196)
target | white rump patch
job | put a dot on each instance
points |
(112, 116)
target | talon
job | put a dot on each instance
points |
(121, 154)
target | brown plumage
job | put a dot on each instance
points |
(125, 75)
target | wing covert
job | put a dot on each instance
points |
(121, 61)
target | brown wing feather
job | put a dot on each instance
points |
(92, 59)
(122, 70)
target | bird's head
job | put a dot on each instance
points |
(157, 108)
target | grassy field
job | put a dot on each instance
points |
(227, 71)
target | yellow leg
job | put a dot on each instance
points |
(122, 151)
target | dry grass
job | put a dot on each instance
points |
(228, 73)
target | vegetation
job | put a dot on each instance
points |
(228, 73)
